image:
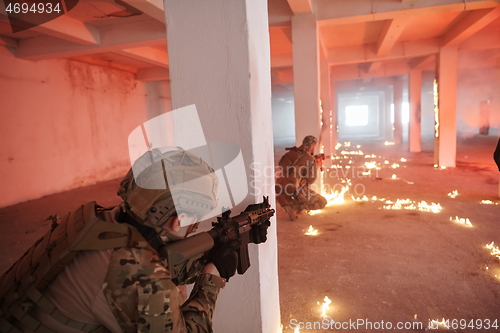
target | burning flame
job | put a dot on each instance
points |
(337, 146)
(352, 152)
(425, 207)
(462, 220)
(395, 165)
(403, 159)
(364, 198)
(453, 194)
(394, 176)
(410, 205)
(336, 197)
(435, 324)
(495, 251)
(311, 231)
(325, 307)
(488, 202)
(371, 165)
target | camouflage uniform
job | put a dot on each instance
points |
(143, 298)
(123, 289)
(297, 172)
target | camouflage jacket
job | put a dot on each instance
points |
(112, 289)
(143, 298)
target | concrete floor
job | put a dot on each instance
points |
(373, 263)
(376, 264)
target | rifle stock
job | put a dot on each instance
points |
(248, 227)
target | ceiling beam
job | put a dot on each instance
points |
(281, 60)
(421, 62)
(322, 47)
(153, 8)
(352, 71)
(366, 53)
(390, 33)
(8, 42)
(472, 23)
(300, 6)
(152, 74)
(482, 41)
(281, 75)
(374, 66)
(65, 28)
(345, 12)
(147, 54)
(113, 38)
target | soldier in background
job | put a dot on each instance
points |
(298, 169)
(98, 270)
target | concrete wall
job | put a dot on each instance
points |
(475, 86)
(283, 118)
(427, 115)
(64, 124)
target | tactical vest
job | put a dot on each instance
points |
(288, 166)
(22, 286)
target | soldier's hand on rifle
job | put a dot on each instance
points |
(319, 163)
(225, 259)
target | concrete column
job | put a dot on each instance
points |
(415, 96)
(334, 115)
(398, 110)
(306, 78)
(220, 61)
(326, 105)
(447, 61)
(386, 121)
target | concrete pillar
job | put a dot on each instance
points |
(398, 110)
(220, 61)
(306, 78)
(415, 96)
(386, 121)
(447, 62)
(326, 106)
(333, 116)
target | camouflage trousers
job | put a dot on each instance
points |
(301, 199)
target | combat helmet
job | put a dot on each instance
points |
(181, 180)
(308, 142)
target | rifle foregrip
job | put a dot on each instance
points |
(243, 259)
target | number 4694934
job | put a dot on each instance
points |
(40, 8)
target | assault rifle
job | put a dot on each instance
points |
(321, 157)
(248, 227)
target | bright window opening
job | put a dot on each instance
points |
(356, 115)
(405, 110)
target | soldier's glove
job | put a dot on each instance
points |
(225, 259)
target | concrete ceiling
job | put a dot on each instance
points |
(360, 39)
